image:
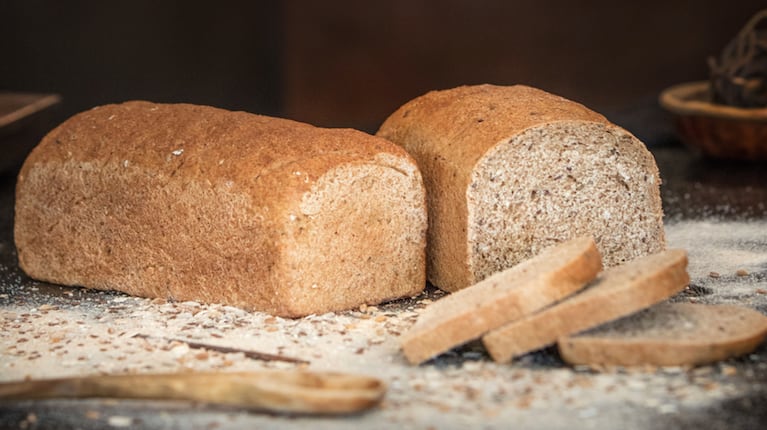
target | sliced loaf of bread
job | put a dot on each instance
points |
(508, 295)
(617, 292)
(669, 334)
(511, 170)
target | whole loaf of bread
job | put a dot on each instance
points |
(511, 170)
(190, 202)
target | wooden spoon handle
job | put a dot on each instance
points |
(278, 391)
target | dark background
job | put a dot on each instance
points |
(351, 63)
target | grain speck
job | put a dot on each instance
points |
(119, 421)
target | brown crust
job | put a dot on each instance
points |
(505, 296)
(617, 292)
(694, 334)
(194, 203)
(448, 132)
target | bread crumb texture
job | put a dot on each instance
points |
(559, 180)
(190, 202)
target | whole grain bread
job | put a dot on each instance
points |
(617, 292)
(669, 334)
(190, 202)
(511, 170)
(505, 296)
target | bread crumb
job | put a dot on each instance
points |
(525, 401)
(741, 272)
(710, 386)
(120, 421)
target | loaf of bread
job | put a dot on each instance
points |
(512, 170)
(669, 334)
(190, 202)
(617, 292)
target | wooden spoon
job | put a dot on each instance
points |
(295, 392)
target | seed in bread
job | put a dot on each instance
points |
(617, 292)
(669, 334)
(192, 202)
(465, 315)
(512, 170)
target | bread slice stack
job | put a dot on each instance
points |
(506, 296)
(518, 310)
(615, 317)
(617, 292)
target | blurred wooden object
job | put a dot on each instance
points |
(294, 392)
(20, 125)
(15, 107)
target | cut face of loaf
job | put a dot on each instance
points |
(195, 203)
(560, 179)
(510, 171)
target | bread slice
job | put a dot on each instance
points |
(617, 292)
(189, 202)
(467, 314)
(511, 170)
(669, 334)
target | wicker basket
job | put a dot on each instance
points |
(718, 131)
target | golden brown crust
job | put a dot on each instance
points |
(193, 202)
(669, 334)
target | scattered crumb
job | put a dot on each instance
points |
(119, 421)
